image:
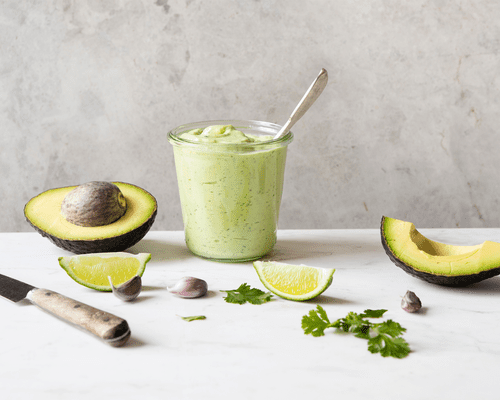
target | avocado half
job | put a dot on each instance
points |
(43, 212)
(435, 262)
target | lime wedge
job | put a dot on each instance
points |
(92, 270)
(293, 282)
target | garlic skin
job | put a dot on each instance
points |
(410, 302)
(189, 288)
(129, 290)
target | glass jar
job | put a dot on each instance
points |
(230, 192)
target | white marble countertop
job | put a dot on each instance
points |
(249, 351)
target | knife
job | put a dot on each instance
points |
(111, 329)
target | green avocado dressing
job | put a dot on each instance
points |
(230, 198)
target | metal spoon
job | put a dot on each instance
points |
(309, 98)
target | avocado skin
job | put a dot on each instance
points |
(112, 244)
(443, 280)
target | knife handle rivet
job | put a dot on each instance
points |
(48, 294)
(76, 306)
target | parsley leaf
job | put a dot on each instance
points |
(353, 323)
(390, 328)
(388, 346)
(384, 337)
(316, 322)
(372, 313)
(193, 318)
(247, 294)
(387, 340)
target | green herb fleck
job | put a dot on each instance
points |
(247, 294)
(384, 337)
(193, 318)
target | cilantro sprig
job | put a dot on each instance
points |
(247, 294)
(383, 337)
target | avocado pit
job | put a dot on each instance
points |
(94, 204)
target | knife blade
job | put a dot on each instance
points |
(111, 329)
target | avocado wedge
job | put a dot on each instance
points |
(43, 212)
(435, 262)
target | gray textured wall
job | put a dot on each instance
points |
(407, 127)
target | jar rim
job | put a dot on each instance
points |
(244, 125)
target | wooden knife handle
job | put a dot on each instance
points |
(108, 327)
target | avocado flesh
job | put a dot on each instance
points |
(43, 212)
(436, 262)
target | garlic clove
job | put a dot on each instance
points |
(127, 291)
(189, 288)
(410, 302)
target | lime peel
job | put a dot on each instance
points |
(293, 282)
(93, 270)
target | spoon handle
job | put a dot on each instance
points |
(309, 98)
